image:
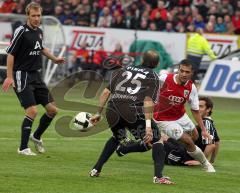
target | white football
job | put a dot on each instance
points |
(82, 122)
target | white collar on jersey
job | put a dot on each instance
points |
(208, 117)
(175, 80)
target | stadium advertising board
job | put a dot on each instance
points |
(221, 44)
(174, 43)
(5, 31)
(222, 79)
(95, 37)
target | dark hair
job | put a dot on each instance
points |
(151, 59)
(209, 103)
(185, 62)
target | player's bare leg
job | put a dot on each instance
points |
(194, 135)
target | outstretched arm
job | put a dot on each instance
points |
(209, 51)
(215, 152)
(148, 110)
(199, 121)
(102, 101)
(57, 60)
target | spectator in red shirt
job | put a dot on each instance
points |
(184, 2)
(8, 6)
(98, 59)
(236, 21)
(160, 9)
(81, 57)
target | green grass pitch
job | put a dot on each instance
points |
(64, 168)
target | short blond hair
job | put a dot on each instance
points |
(34, 6)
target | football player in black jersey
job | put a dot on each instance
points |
(131, 95)
(176, 153)
(210, 148)
(23, 65)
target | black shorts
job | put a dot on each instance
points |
(137, 128)
(30, 89)
(176, 153)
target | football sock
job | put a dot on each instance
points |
(26, 130)
(43, 125)
(198, 155)
(138, 146)
(108, 150)
(158, 155)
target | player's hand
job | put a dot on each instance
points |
(7, 83)
(60, 60)
(206, 135)
(95, 119)
(148, 136)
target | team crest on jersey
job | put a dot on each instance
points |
(186, 93)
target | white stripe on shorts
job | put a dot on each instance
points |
(18, 78)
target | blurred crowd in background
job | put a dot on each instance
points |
(214, 16)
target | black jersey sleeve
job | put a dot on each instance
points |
(211, 130)
(216, 136)
(16, 41)
(152, 86)
(42, 38)
(209, 126)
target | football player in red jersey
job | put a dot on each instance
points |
(177, 89)
(170, 114)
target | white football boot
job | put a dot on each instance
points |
(38, 144)
(94, 173)
(26, 151)
(208, 167)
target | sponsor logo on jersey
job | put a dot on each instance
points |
(175, 100)
(37, 45)
(34, 53)
(123, 96)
